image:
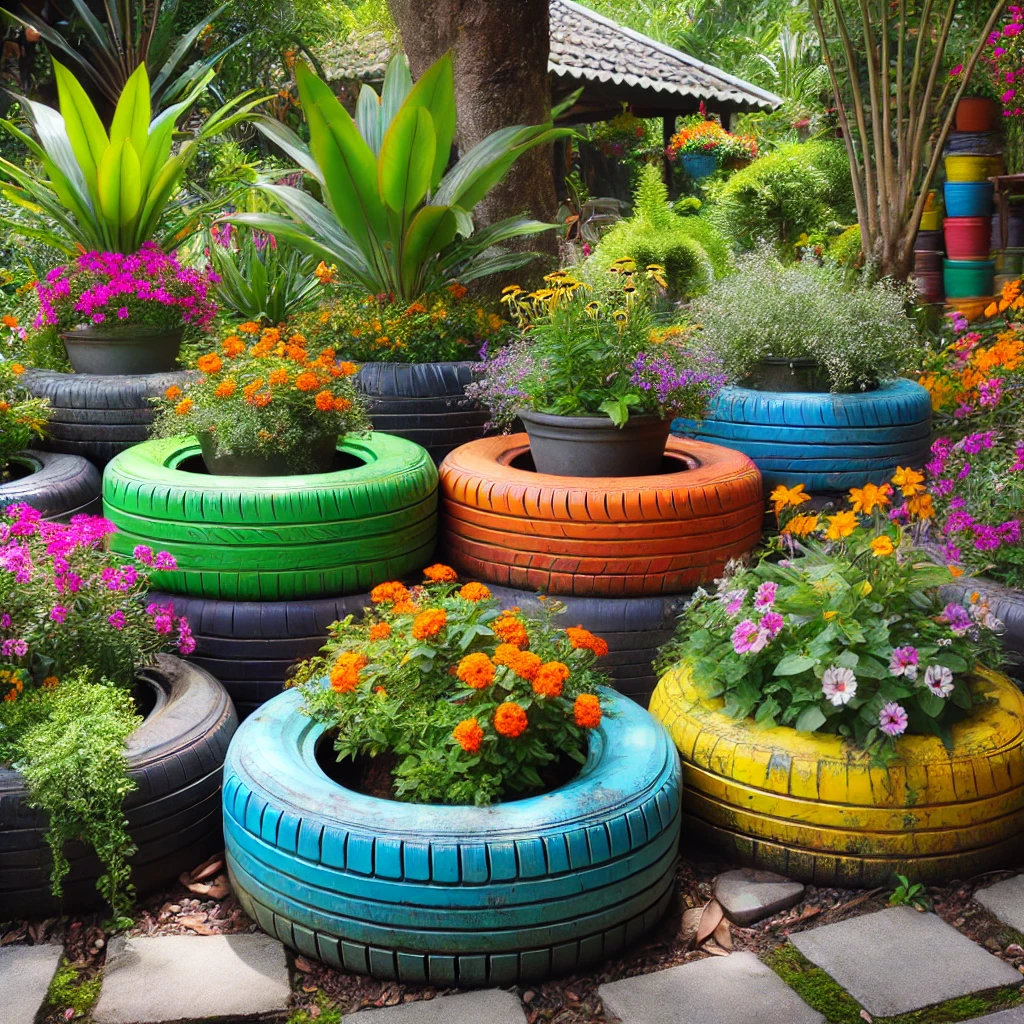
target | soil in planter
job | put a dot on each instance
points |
(670, 463)
(16, 471)
(342, 462)
(374, 776)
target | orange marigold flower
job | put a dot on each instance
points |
(9, 321)
(226, 388)
(474, 592)
(183, 407)
(385, 593)
(250, 328)
(262, 399)
(510, 720)
(440, 573)
(429, 623)
(296, 353)
(469, 735)
(909, 481)
(457, 290)
(342, 404)
(173, 392)
(348, 369)
(583, 639)
(380, 631)
(232, 346)
(297, 339)
(210, 363)
(277, 377)
(921, 506)
(587, 711)
(405, 608)
(307, 382)
(51, 683)
(17, 369)
(345, 671)
(324, 401)
(524, 664)
(475, 670)
(510, 630)
(550, 678)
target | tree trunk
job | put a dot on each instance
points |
(500, 51)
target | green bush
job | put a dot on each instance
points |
(800, 187)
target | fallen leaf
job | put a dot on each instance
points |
(208, 869)
(691, 922)
(714, 950)
(710, 918)
(185, 879)
(198, 926)
(199, 888)
(302, 964)
(197, 872)
(723, 935)
(864, 1015)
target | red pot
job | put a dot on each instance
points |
(968, 238)
(927, 261)
(977, 114)
(929, 286)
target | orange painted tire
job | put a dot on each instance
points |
(597, 536)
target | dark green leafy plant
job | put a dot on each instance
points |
(910, 894)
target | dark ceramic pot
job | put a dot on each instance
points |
(122, 352)
(320, 451)
(931, 241)
(927, 261)
(592, 446)
(776, 373)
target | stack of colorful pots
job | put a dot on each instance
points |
(973, 156)
(928, 252)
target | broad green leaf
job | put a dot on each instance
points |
(616, 409)
(435, 91)
(131, 192)
(108, 179)
(793, 664)
(156, 153)
(368, 118)
(397, 86)
(84, 128)
(406, 159)
(811, 719)
(931, 704)
(133, 111)
(282, 136)
(431, 230)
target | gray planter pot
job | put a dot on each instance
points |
(775, 373)
(122, 351)
(591, 446)
(318, 457)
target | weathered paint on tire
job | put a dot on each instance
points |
(453, 895)
(813, 807)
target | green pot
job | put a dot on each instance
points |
(968, 279)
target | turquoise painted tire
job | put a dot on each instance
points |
(275, 538)
(828, 442)
(466, 896)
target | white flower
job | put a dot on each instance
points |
(939, 680)
(839, 684)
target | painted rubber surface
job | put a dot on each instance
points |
(60, 486)
(174, 816)
(276, 538)
(1007, 606)
(251, 646)
(97, 417)
(467, 896)
(815, 809)
(634, 628)
(826, 442)
(423, 402)
(598, 536)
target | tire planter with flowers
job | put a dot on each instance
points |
(276, 538)
(1005, 603)
(828, 442)
(602, 536)
(453, 895)
(59, 486)
(174, 815)
(97, 417)
(423, 402)
(817, 809)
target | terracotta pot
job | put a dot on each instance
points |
(977, 114)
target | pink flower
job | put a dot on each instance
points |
(144, 554)
(98, 318)
(903, 662)
(1008, 95)
(773, 622)
(765, 595)
(122, 313)
(117, 620)
(58, 613)
(839, 685)
(956, 70)
(744, 637)
(164, 560)
(939, 680)
(892, 720)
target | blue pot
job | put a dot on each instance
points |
(969, 198)
(700, 165)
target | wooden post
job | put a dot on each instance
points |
(668, 129)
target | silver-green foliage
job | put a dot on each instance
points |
(859, 332)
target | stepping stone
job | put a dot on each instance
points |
(25, 975)
(734, 989)
(1011, 1016)
(1006, 900)
(191, 977)
(748, 895)
(898, 960)
(490, 1007)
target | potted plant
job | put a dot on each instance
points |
(591, 379)
(826, 698)
(96, 721)
(397, 224)
(701, 145)
(814, 362)
(463, 768)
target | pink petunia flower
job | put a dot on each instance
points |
(892, 720)
(939, 680)
(839, 685)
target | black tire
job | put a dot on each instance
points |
(60, 486)
(423, 402)
(634, 628)
(251, 646)
(1007, 606)
(176, 759)
(97, 416)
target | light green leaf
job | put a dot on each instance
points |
(368, 118)
(811, 719)
(84, 128)
(435, 91)
(406, 159)
(397, 86)
(431, 230)
(133, 111)
(794, 664)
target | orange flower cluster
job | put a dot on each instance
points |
(583, 639)
(524, 664)
(469, 735)
(476, 670)
(345, 671)
(474, 592)
(386, 593)
(550, 679)
(510, 629)
(429, 623)
(379, 631)
(510, 720)
(587, 711)
(440, 573)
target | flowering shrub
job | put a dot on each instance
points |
(999, 72)
(838, 627)
(147, 289)
(473, 702)
(585, 352)
(703, 136)
(443, 327)
(22, 417)
(264, 392)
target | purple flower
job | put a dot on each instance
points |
(773, 622)
(143, 553)
(164, 560)
(117, 619)
(58, 613)
(5, 621)
(733, 601)
(892, 720)
(14, 648)
(764, 597)
(957, 617)
(939, 679)
(903, 662)
(745, 637)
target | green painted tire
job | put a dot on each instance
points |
(275, 538)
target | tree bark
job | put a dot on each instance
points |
(500, 51)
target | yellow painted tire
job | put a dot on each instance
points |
(814, 808)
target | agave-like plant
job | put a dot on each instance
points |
(393, 219)
(101, 190)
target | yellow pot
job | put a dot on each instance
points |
(815, 808)
(932, 201)
(931, 220)
(962, 167)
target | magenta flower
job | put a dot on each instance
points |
(957, 617)
(892, 720)
(143, 553)
(773, 622)
(14, 647)
(764, 597)
(117, 619)
(164, 560)
(58, 613)
(744, 637)
(903, 662)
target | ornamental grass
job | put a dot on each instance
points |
(475, 703)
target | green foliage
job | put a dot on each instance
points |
(22, 417)
(70, 990)
(68, 744)
(798, 188)
(859, 332)
(845, 249)
(394, 221)
(909, 894)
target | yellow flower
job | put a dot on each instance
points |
(921, 506)
(326, 274)
(829, 616)
(881, 547)
(991, 309)
(801, 526)
(788, 497)
(908, 480)
(841, 525)
(656, 273)
(865, 589)
(592, 309)
(867, 498)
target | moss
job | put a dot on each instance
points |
(69, 988)
(825, 995)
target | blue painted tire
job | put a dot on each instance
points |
(467, 896)
(827, 442)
